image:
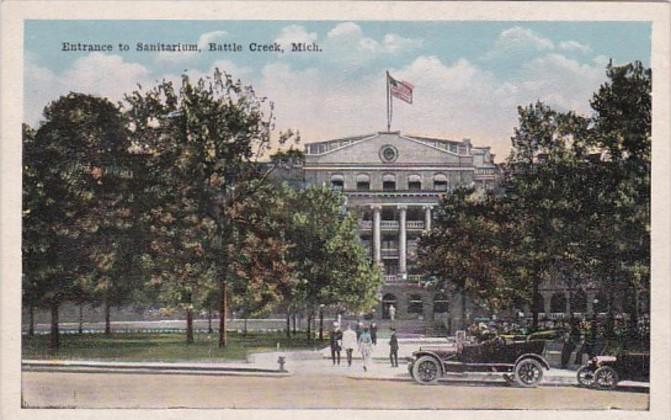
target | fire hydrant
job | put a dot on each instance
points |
(281, 360)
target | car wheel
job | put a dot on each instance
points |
(606, 377)
(585, 376)
(426, 370)
(528, 373)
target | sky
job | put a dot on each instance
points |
(468, 77)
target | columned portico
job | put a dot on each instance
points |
(377, 252)
(427, 218)
(402, 251)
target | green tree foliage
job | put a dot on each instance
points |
(202, 142)
(73, 204)
(575, 201)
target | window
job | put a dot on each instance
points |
(337, 182)
(415, 304)
(440, 304)
(362, 182)
(414, 183)
(440, 182)
(389, 182)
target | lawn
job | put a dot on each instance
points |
(159, 347)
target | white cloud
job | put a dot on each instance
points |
(574, 46)
(207, 37)
(518, 37)
(347, 42)
(96, 74)
(294, 33)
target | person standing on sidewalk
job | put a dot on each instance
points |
(349, 343)
(393, 348)
(336, 343)
(373, 333)
(365, 347)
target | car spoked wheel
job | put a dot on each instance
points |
(528, 373)
(585, 376)
(606, 377)
(426, 370)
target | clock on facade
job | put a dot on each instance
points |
(388, 153)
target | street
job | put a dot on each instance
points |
(117, 390)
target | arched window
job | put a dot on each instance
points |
(539, 303)
(389, 182)
(337, 182)
(440, 182)
(579, 301)
(558, 303)
(600, 303)
(415, 304)
(362, 182)
(414, 183)
(440, 304)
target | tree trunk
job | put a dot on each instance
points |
(244, 328)
(308, 332)
(534, 309)
(209, 319)
(223, 307)
(54, 342)
(108, 324)
(31, 326)
(294, 321)
(288, 325)
(189, 326)
(80, 329)
(463, 310)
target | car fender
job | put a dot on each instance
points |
(535, 356)
(421, 353)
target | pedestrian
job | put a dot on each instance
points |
(569, 339)
(393, 348)
(373, 333)
(365, 347)
(349, 343)
(336, 343)
(359, 329)
(392, 313)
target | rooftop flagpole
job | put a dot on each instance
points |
(388, 102)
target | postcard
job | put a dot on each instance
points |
(362, 208)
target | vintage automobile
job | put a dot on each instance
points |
(521, 358)
(606, 371)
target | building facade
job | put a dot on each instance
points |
(392, 183)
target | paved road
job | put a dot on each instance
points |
(94, 390)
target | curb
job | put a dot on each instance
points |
(164, 368)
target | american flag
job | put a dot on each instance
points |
(400, 89)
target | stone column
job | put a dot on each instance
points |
(377, 253)
(402, 251)
(427, 218)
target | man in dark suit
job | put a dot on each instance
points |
(336, 343)
(393, 348)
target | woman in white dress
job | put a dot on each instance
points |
(365, 347)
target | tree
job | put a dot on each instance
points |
(72, 151)
(465, 249)
(203, 143)
(331, 265)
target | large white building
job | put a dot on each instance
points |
(392, 182)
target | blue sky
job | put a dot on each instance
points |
(469, 77)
